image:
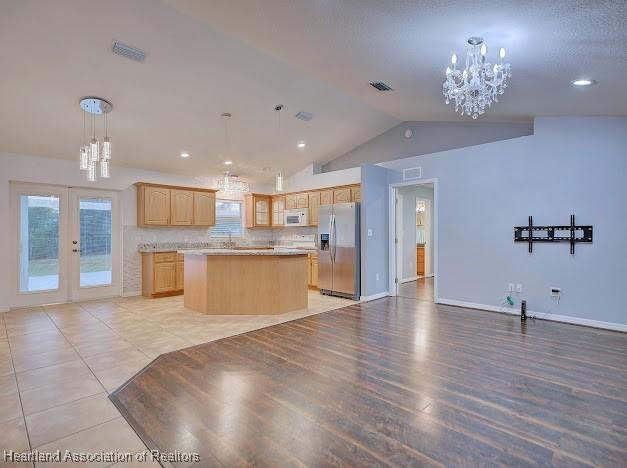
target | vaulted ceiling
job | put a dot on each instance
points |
(246, 56)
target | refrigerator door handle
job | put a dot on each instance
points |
(331, 237)
(334, 239)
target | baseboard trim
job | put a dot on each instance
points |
(407, 280)
(539, 315)
(131, 293)
(374, 297)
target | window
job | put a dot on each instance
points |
(228, 219)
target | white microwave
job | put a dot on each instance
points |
(299, 217)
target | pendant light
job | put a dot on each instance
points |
(91, 161)
(278, 181)
(84, 150)
(106, 153)
(106, 143)
(94, 146)
(230, 182)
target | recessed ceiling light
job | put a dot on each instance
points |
(301, 144)
(184, 155)
(228, 163)
(583, 82)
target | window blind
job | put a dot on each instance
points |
(228, 219)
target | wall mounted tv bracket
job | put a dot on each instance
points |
(572, 234)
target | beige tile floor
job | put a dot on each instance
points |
(59, 363)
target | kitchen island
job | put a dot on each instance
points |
(245, 282)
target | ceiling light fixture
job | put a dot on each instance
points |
(301, 144)
(479, 84)
(278, 179)
(583, 82)
(89, 155)
(230, 182)
(228, 163)
(184, 155)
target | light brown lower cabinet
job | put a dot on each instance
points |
(420, 260)
(312, 276)
(162, 274)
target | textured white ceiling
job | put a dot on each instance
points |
(245, 56)
(407, 44)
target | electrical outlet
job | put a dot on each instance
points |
(369, 232)
(510, 287)
(519, 288)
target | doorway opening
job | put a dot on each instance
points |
(65, 244)
(413, 250)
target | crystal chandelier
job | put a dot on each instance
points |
(479, 84)
(90, 157)
(230, 182)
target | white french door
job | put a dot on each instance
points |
(65, 244)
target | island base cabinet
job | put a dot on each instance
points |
(245, 284)
(313, 271)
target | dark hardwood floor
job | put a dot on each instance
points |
(394, 382)
(421, 288)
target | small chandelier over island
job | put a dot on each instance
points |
(479, 84)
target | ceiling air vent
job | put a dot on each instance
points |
(380, 86)
(304, 115)
(128, 52)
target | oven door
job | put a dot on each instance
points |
(292, 219)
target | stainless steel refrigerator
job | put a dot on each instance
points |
(338, 242)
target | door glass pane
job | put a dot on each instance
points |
(39, 243)
(95, 242)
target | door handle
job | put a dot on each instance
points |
(331, 237)
(74, 250)
(334, 239)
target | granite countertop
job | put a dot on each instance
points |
(231, 252)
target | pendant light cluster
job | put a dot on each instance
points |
(94, 162)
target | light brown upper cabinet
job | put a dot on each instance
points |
(258, 210)
(153, 206)
(165, 205)
(302, 200)
(204, 209)
(326, 197)
(314, 203)
(290, 202)
(278, 211)
(356, 194)
(342, 195)
(181, 207)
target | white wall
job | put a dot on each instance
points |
(34, 169)
(311, 178)
(570, 165)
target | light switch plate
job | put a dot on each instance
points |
(369, 232)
